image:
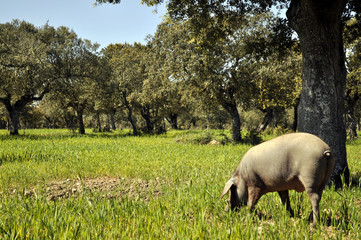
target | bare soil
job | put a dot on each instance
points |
(105, 187)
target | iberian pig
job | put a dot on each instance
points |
(298, 161)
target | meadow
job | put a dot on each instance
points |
(59, 185)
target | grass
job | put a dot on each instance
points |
(167, 188)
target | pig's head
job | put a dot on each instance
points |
(238, 193)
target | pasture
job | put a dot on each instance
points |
(58, 185)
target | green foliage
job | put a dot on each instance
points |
(211, 137)
(253, 137)
(251, 119)
(164, 190)
(37, 60)
(26, 74)
(279, 81)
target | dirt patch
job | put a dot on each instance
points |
(104, 187)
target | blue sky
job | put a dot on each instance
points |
(128, 21)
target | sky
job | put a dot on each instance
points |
(128, 21)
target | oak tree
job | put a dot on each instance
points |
(25, 70)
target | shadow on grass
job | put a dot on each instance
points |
(56, 136)
(355, 180)
(340, 222)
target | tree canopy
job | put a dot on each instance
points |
(25, 72)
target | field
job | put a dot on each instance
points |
(58, 185)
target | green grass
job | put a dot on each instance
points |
(169, 189)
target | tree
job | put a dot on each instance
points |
(162, 88)
(128, 72)
(278, 85)
(53, 112)
(318, 24)
(25, 72)
(321, 108)
(222, 71)
(75, 61)
(353, 84)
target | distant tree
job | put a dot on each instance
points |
(105, 94)
(128, 73)
(53, 112)
(278, 85)
(223, 71)
(76, 62)
(353, 84)
(25, 71)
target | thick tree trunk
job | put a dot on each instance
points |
(81, 122)
(146, 116)
(132, 122)
(321, 108)
(14, 121)
(173, 120)
(236, 125)
(231, 108)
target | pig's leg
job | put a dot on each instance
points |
(254, 194)
(315, 199)
(286, 201)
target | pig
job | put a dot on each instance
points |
(295, 161)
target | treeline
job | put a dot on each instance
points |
(248, 78)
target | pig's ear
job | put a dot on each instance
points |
(228, 185)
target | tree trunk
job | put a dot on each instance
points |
(146, 115)
(132, 122)
(266, 120)
(321, 108)
(14, 121)
(130, 114)
(351, 126)
(173, 120)
(81, 122)
(112, 120)
(236, 125)
(231, 108)
(99, 124)
(295, 115)
(350, 114)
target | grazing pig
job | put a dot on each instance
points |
(298, 161)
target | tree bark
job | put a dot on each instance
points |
(173, 120)
(99, 124)
(350, 114)
(321, 108)
(236, 125)
(132, 122)
(14, 121)
(295, 115)
(268, 117)
(146, 116)
(130, 115)
(231, 108)
(112, 120)
(81, 122)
